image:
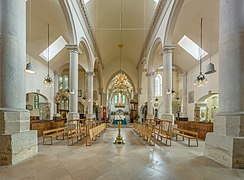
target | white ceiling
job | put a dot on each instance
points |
(106, 20)
(188, 23)
(42, 13)
(136, 19)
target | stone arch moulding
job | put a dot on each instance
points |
(152, 52)
(69, 21)
(88, 53)
(117, 72)
(140, 73)
(97, 65)
(168, 38)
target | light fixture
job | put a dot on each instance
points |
(172, 91)
(121, 83)
(29, 68)
(48, 82)
(210, 68)
(200, 78)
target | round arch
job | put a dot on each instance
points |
(154, 48)
(117, 72)
(87, 55)
(168, 40)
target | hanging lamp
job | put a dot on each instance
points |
(48, 82)
(210, 68)
(200, 78)
(121, 83)
(29, 68)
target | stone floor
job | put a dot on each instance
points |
(133, 160)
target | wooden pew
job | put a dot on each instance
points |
(185, 134)
(163, 131)
(93, 132)
(53, 133)
(75, 130)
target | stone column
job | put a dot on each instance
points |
(73, 81)
(150, 94)
(90, 94)
(56, 114)
(226, 144)
(184, 95)
(167, 83)
(17, 142)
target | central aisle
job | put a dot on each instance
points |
(133, 160)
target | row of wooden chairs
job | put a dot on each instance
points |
(74, 129)
(93, 132)
(162, 130)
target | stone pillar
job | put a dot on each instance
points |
(17, 142)
(150, 94)
(226, 144)
(184, 95)
(73, 81)
(56, 114)
(167, 83)
(90, 94)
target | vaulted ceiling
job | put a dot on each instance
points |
(116, 20)
(110, 27)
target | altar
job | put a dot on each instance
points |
(119, 117)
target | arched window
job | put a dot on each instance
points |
(158, 85)
(115, 99)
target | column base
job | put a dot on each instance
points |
(17, 147)
(57, 115)
(73, 115)
(14, 121)
(226, 144)
(168, 117)
(150, 116)
(89, 116)
(225, 150)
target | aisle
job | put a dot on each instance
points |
(133, 160)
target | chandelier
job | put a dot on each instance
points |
(200, 78)
(48, 82)
(121, 82)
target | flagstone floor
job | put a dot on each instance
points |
(133, 160)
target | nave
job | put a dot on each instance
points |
(132, 160)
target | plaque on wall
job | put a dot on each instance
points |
(191, 97)
(29, 107)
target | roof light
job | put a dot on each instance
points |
(192, 48)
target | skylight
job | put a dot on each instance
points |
(192, 48)
(86, 1)
(54, 49)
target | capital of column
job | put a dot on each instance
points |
(73, 48)
(168, 49)
(90, 73)
(150, 74)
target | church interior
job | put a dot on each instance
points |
(121, 89)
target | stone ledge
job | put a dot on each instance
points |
(17, 147)
(226, 150)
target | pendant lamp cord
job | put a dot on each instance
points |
(210, 30)
(48, 48)
(121, 45)
(201, 50)
(30, 33)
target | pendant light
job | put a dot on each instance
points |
(48, 82)
(29, 67)
(200, 78)
(210, 68)
(121, 80)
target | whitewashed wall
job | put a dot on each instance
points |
(212, 85)
(34, 82)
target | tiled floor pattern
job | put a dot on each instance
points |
(134, 160)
